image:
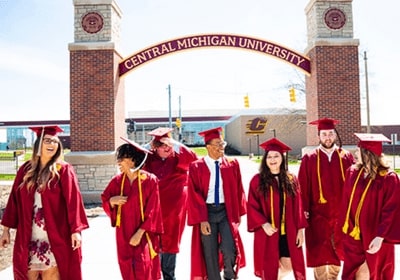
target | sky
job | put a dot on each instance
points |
(34, 56)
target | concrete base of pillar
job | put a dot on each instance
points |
(94, 171)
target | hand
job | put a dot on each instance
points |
(375, 245)
(299, 238)
(307, 214)
(76, 240)
(135, 239)
(168, 141)
(118, 200)
(205, 228)
(5, 237)
(269, 230)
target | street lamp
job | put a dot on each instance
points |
(274, 131)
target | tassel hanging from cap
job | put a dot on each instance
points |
(39, 152)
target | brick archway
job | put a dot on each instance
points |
(97, 90)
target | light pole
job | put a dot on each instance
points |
(274, 131)
(169, 106)
(367, 92)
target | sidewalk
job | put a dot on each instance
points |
(99, 251)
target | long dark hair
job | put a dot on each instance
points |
(267, 178)
(372, 162)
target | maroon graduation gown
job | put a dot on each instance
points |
(172, 175)
(64, 214)
(266, 248)
(379, 216)
(235, 204)
(322, 236)
(134, 261)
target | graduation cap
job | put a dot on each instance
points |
(275, 145)
(40, 131)
(372, 141)
(43, 130)
(161, 132)
(213, 133)
(136, 146)
(325, 123)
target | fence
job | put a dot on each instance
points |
(9, 163)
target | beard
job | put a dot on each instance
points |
(327, 146)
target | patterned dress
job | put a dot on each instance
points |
(40, 255)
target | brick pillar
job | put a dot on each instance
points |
(97, 100)
(332, 89)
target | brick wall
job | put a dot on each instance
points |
(333, 90)
(97, 103)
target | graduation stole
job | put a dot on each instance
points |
(271, 195)
(153, 253)
(322, 200)
(355, 233)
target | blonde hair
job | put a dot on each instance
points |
(41, 176)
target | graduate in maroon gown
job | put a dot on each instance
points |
(275, 215)
(46, 208)
(370, 213)
(170, 163)
(321, 176)
(131, 200)
(216, 202)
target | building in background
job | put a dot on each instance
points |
(244, 130)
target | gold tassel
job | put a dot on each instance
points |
(118, 222)
(283, 230)
(355, 233)
(345, 227)
(153, 253)
(271, 194)
(322, 199)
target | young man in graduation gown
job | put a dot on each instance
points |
(170, 163)
(216, 202)
(131, 200)
(321, 176)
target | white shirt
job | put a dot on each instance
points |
(211, 188)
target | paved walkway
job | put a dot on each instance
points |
(99, 252)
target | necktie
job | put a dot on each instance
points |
(216, 191)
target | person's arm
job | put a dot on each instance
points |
(5, 237)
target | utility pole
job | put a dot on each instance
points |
(169, 106)
(180, 118)
(367, 91)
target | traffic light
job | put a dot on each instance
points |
(246, 101)
(292, 94)
(178, 122)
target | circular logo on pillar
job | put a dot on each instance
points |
(335, 18)
(92, 22)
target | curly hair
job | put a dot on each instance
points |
(129, 151)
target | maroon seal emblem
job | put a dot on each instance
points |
(92, 22)
(335, 18)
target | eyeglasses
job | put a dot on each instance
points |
(219, 145)
(49, 141)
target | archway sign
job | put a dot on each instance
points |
(212, 41)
